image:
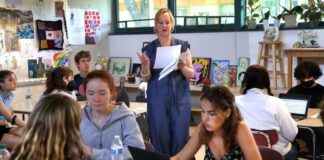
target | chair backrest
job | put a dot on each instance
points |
(272, 134)
(306, 140)
(261, 139)
(269, 154)
(149, 146)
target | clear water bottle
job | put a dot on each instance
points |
(117, 149)
(28, 99)
(4, 153)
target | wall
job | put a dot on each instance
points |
(217, 45)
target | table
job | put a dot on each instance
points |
(137, 107)
(312, 119)
(300, 53)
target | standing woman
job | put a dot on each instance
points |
(60, 81)
(168, 99)
(9, 136)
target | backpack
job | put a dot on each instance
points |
(122, 95)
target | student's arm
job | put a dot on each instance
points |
(288, 126)
(246, 141)
(190, 149)
(9, 116)
(186, 67)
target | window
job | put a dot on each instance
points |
(138, 13)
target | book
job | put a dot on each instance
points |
(201, 68)
(219, 69)
(242, 64)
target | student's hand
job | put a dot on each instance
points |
(145, 60)
(88, 150)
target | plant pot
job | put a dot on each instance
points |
(251, 24)
(276, 22)
(265, 23)
(290, 21)
(314, 22)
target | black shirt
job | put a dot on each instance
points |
(316, 93)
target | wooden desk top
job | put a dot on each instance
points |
(304, 50)
(312, 120)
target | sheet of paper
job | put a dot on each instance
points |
(166, 55)
(172, 66)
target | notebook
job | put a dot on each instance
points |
(297, 105)
(141, 154)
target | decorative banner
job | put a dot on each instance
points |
(60, 58)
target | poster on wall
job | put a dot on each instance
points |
(8, 20)
(92, 26)
(25, 26)
(11, 41)
(75, 25)
(59, 12)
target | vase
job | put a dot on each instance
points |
(251, 24)
(276, 22)
(290, 21)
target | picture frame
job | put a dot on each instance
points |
(201, 66)
(136, 69)
(119, 66)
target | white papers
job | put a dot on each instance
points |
(166, 55)
(172, 66)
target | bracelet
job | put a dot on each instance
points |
(13, 121)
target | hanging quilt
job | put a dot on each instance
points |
(50, 34)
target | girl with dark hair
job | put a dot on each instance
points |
(60, 80)
(222, 130)
(307, 73)
(9, 136)
(262, 111)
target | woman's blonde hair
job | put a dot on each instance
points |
(53, 131)
(157, 17)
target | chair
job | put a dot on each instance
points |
(306, 140)
(265, 137)
(269, 154)
(149, 146)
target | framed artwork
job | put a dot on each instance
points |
(119, 66)
(136, 68)
(271, 33)
(242, 65)
(201, 68)
(219, 72)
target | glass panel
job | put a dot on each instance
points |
(142, 10)
(205, 8)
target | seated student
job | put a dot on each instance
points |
(60, 81)
(262, 111)
(82, 61)
(103, 119)
(321, 105)
(53, 131)
(222, 130)
(9, 136)
(307, 73)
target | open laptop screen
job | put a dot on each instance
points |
(296, 104)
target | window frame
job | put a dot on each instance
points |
(239, 24)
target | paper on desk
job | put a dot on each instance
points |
(172, 66)
(165, 55)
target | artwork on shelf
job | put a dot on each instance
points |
(219, 69)
(50, 34)
(32, 68)
(232, 72)
(242, 65)
(60, 58)
(119, 66)
(25, 26)
(201, 68)
(271, 33)
(136, 69)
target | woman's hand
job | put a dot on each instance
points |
(88, 150)
(145, 60)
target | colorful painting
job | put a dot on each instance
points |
(25, 26)
(242, 65)
(201, 69)
(91, 25)
(219, 69)
(32, 68)
(232, 72)
(50, 34)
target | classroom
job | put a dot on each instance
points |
(162, 79)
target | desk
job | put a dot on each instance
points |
(311, 121)
(300, 53)
(137, 107)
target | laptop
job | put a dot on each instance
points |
(297, 105)
(142, 154)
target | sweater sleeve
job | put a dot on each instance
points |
(132, 136)
(288, 126)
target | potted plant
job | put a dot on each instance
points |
(289, 16)
(253, 5)
(265, 19)
(313, 11)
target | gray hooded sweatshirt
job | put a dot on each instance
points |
(121, 122)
